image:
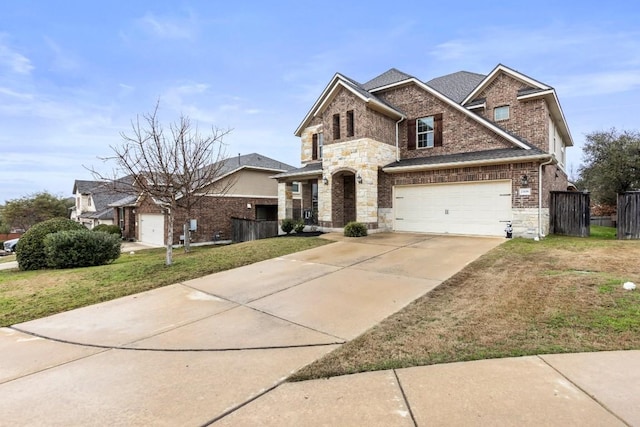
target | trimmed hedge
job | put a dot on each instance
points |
(106, 228)
(355, 229)
(80, 248)
(30, 251)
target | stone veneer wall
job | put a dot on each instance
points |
(364, 157)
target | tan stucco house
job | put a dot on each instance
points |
(464, 153)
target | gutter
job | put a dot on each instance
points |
(550, 161)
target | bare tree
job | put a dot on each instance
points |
(172, 167)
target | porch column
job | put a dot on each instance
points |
(285, 200)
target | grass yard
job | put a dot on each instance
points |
(558, 295)
(28, 295)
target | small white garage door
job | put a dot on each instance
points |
(477, 208)
(152, 229)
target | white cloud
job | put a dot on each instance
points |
(13, 60)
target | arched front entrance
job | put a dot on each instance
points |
(343, 198)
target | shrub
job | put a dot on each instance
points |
(287, 225)
(80, 248)
(106, 228)
(30, 251)
(299, 226)
(355, 229)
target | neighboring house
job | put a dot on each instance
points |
(251, 194)
(463, 153)
(93, 201)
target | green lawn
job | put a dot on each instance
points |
(27, 295)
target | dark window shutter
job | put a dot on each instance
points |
(314, 147)
(437, 130)
(411, 134)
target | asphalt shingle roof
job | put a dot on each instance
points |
(306, 170)
(387, 78)
(501, 153)
(456, 86)
(253, 160)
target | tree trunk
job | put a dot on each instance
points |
(187, 237)
(169, 258)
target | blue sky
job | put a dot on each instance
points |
(73, 74)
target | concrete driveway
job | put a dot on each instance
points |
(194, 352)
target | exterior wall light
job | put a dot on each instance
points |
(359, 179)
(325, 180)
(524, 180)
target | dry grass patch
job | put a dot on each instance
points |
(522, 298)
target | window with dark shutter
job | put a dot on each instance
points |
(336, 126)
(437, 130)
(411, 134)
(350, 131)
(314, 147)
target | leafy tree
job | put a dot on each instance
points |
(171, 166)
(27, 211)
(611, 164)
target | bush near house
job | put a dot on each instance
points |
(299, 226)
(80, 248)
(106, 228)
(355, 229)
(30, 252)
(287, 225)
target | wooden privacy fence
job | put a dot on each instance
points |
(569, 213)
(244, 230)
(629, 215)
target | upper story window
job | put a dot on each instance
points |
(316, 149)
(501, 113)
(336, 126)
(425, 132)
(424, 127)
(295, 187)
(350, 124)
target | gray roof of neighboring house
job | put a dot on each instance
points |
(456, 85)
(254, 160)
(387, 78)
(306, 170)
(501, 153)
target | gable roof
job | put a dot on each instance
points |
(456, 85)
(535, 89)
(389, 77)
(330, 91)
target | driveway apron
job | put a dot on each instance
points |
(194, 352)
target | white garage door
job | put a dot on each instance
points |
(478, 208)
(152, 229)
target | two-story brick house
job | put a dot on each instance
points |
(463, 153)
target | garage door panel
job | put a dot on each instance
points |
(480, 208)
(152, 229)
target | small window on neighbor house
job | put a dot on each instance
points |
(501, 113)
(295, 187)
(350, 131)
(336, 126)
(424, 128)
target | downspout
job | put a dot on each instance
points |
(540, 235)
(397, 143)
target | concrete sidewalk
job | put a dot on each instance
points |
(588, 389)
(217, 350)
